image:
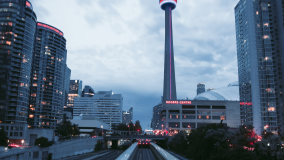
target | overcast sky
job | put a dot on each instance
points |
(118, 45)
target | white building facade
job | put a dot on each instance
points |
(104, 106)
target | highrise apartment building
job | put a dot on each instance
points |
(17, 31)
(200, 88)
(260, 49)
(67, 84)
(75, 90)
(48, 77)
(127, 116)
(157, 118)
(103, 105)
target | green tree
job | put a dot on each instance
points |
(43, 142)
(270, 148)
(207, 142)
(122, 127)
(67, 129)
(178, 143)
(98, 146)
(137, 126)
(3, 138)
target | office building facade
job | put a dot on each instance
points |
(186, 115)
(260, 35)
(75, 90)
(104, 105)
(200, 88)
(17, 31)
(157, 123)
(127, 116)
(67, 84)
(48, 77)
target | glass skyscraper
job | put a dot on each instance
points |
(48, 77)
(259, 35)
(200, 88)
(17, 31)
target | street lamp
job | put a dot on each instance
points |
(102, 129)
(23, 142)
(129, 129)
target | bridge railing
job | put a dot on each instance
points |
(129, 153)
(161, 153)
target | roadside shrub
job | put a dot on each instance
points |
(43, 142)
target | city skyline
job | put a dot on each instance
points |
(96, 31)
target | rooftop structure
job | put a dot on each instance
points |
(229, 93)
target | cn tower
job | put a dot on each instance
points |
(169, 93)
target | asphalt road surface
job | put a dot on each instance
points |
(144, 154)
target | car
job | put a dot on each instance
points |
(144, 143)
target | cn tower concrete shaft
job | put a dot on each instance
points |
(169, 92)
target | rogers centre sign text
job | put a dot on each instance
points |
(178, 102)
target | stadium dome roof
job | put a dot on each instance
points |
(229, 93)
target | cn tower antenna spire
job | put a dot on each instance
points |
(169, 92)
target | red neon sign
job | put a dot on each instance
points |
(178, 102)
(28, 4)
(51, 28)
(246, 103)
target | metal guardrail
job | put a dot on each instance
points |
(129, 153)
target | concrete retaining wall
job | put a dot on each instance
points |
(58, 150)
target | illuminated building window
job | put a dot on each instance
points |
(35, 78)
(256, 12)
(35, 84)
(265, 36)
(207, 117)
(8, 42)
(266, 24)
(50, 83)
(271, 109)
(31, 116)
(25, 61)
(44, 79)
(223, 117)
(33, 95)
(22, 84)
(33, 109)
(199, 117)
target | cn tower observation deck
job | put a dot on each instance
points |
(169, 92)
